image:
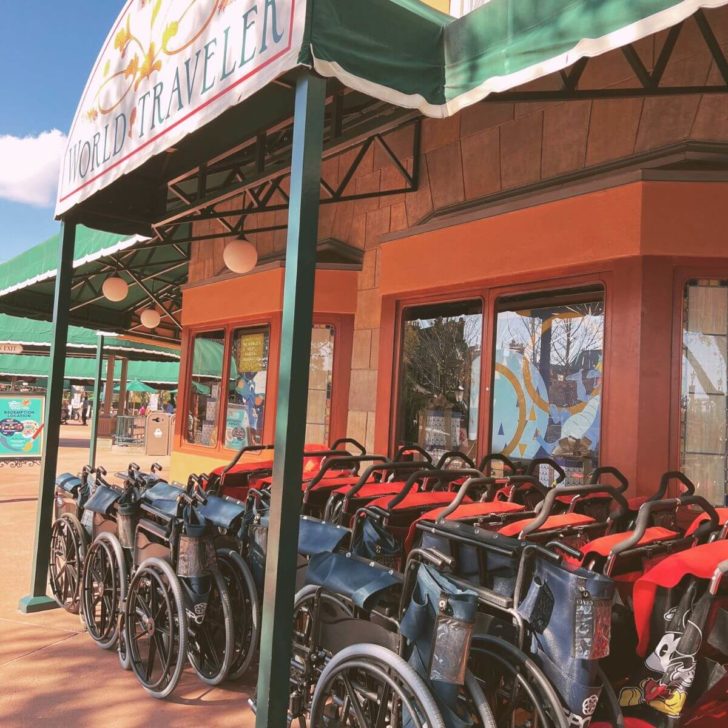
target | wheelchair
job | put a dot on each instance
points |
(69, 538)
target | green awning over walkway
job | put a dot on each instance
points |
(39, 262)
(149, 372)
(38, 335)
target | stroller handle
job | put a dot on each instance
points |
(462, 492)
(387, 467)
(330, 462)
(551, 463)
(650, 506)
(718, 574)
(349, 441)
(665, 481)
(519, 481)
(574, 490)
(413, 447)
(616, 473)
(443, 476)
(454, 455)
(496, 457)
(239, 454)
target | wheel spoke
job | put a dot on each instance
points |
(360, 719)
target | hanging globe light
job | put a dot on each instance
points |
(150, 318)
(115, 288)
(240, 256)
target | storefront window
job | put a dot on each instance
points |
(319, 384)
(547, 379)
(247, 387)
(204, 393)
(439, 387)
(704, 404)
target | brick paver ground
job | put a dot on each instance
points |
(51, 673)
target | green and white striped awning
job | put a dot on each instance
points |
(37, 336)
(149, 372)
(410, 55)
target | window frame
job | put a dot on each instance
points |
(343, 329)
(709, 269)
(489, 293)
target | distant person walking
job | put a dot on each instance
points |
(171, 406)
(85, 409)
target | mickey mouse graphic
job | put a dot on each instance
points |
(675, 670)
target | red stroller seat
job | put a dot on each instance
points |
(722, 520)
(552, 523)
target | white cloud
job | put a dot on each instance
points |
(29, 167)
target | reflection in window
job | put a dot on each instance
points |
(548, 379)
(204, 394)
(439, 385)
(704, 405)
(247, 386)
(318, 415)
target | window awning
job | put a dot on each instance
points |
(149, 372)
(37, 335)
(166, 81)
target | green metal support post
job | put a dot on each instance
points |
(38, 600)
(280, 570)
(98, 371)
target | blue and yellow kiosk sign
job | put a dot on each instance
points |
(21, 425)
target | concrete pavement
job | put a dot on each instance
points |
(51, 673)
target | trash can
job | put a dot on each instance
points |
(158, 439)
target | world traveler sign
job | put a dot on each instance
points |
(167, 68)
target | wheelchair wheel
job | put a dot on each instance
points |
(246, 609)
(519, 694)
(155, 627)
(369, 685)
(211, 642)
(68, 550)
(103, 589)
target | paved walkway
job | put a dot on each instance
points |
(51, 673)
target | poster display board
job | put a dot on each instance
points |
(21, 426)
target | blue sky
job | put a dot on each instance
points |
(48, 49)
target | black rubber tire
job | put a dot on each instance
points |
(68, 551)
(103, 629)
(162, 575)
(478, 701)
(379, 664)
(531, 680)
(246, 610)
(219, 597)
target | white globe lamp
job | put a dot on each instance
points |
(240, 256)
(150, 318)
(115, 288)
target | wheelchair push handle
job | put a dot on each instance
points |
(412, 447)
(443, 476)
(616, 473)
(551, 463)
(529, 552)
